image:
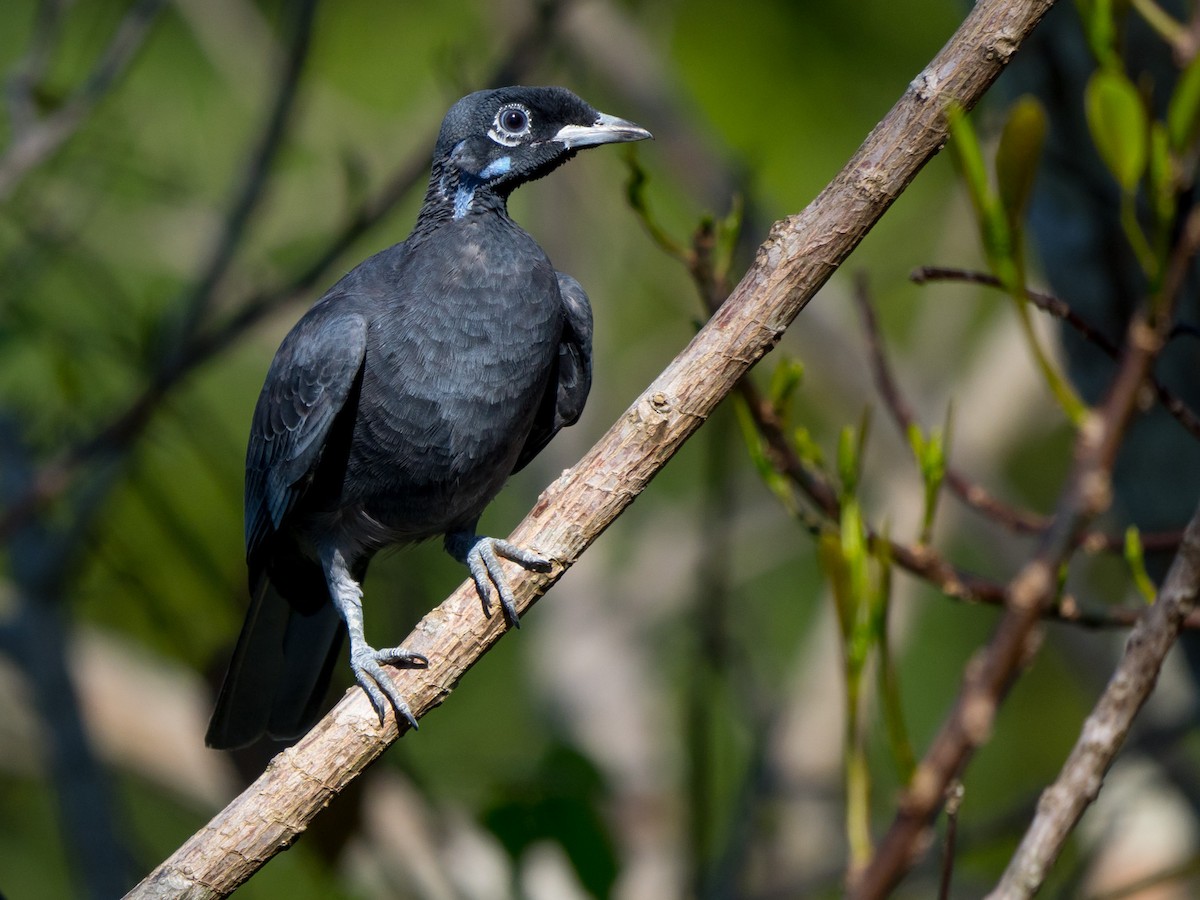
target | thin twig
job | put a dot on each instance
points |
(973, 494)
(991, 673)
(1060, 309)
(1106, 728)
(970, 492)
(954, 800)
(20, 88)
(195, 303)
(922, 561)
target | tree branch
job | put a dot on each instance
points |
(970, 492)
(1105, 729)
(988, 677)
(798, 257)
(1060, 309)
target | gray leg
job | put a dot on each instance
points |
(365, 660)
(481, 555)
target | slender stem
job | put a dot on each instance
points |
(1056, 307)
(1168, 28)
(1075, 408)
(1137, 238)
(1104, 732)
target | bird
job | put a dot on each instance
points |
(399, 404)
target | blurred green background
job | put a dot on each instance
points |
(669, 720)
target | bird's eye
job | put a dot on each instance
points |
(512, 122)
(514, 119)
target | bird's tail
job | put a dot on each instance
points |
(280, 670)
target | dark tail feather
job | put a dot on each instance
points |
(279, 673)
(311, 648)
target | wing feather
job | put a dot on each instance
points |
(311, 377)
(568, 389)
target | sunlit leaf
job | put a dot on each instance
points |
(785, 380)
(1136, 558)
(1017, 155)
(994, 229)
(969, 156)
(1117, 120)
(1161, 176)
(1101, 29)
(1183, 109)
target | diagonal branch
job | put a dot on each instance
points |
(993, 671)
(1104, 732)
(1060, 309)
(798, 257)
(967, 490)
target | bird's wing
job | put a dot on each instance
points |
(568, 389)
(313, 373)
(288, 645)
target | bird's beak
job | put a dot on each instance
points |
(606, 130)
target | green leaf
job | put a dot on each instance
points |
(847, 460)
(1136, 559)
(833, 563)
(785, 380)
(852, 444)
(1017, 156)
(1161, 177)
(775, 480)
(969, 156)
(994, 230)
(729, 229)
(807, 447)
(1119, 126)
(1183, 109)
(1099, 24)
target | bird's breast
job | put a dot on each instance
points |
(455, 369)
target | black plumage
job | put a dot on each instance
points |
(400, 403)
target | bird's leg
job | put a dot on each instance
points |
(481, 555)
(365, 660)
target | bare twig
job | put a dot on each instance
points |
(20, 88)
(992, 672)
(922, 561)
(1060, 309)
(795, 261)
(1105, 729)
(970, 492)
(36, 140)
(954, 800)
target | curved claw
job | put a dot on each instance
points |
(367, 664)
(483, 560)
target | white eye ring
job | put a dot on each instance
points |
(513, 122)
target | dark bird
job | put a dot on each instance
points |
(398, 406)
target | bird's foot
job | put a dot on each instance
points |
(481, 555)
(368, 663)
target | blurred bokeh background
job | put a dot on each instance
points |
(669, 721)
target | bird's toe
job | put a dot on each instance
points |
(380, 689)
(523, 556)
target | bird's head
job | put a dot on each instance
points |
(499, 139)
